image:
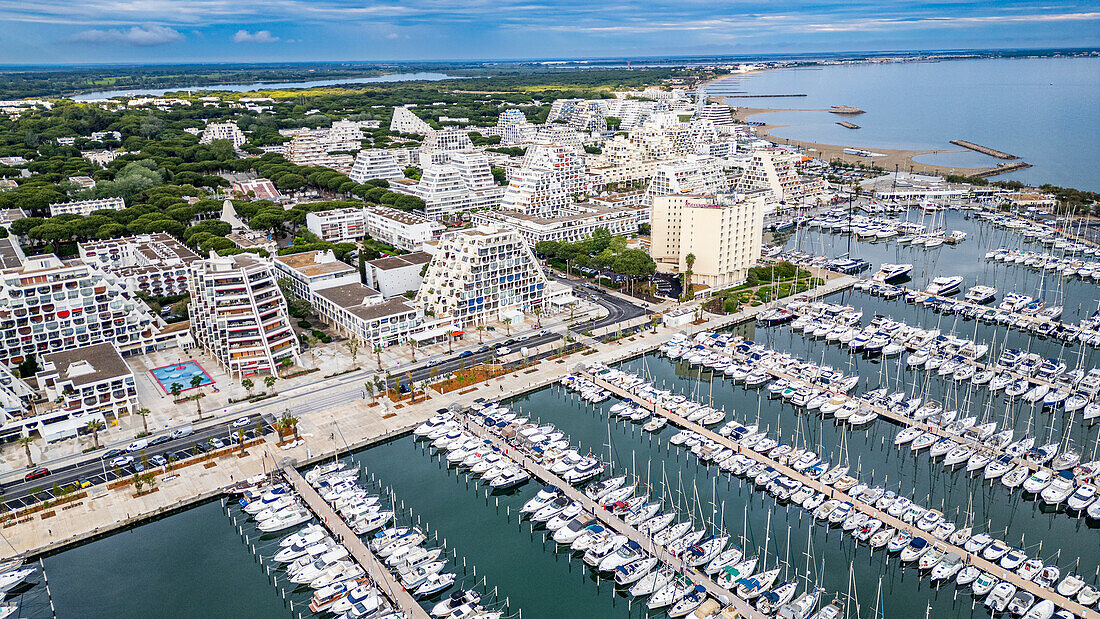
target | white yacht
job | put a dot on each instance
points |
(892, 272)
(981, 294)
(944, 285)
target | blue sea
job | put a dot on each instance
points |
(1044, 110)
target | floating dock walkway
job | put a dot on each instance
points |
(970, 559)
(377, 572)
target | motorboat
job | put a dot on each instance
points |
(981, 295)
(944, 285)
(889, 273)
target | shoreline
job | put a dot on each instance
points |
(902, 158)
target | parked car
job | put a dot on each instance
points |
(36, 474)
(182, 432)
(160, 440)
(466, 353)
(122, 461)
(158, 460)
(111, 453)
(242, 422)
(137, 445)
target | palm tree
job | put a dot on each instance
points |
(379, 386)
(378, 357)
(176, 390)
(94, 426)
(412, 348)
(368, 388)
(412, 388)
(240, 439)
(196, 381)
(508, 325)
(450, 340)
(288, 422)
(26, 442)
(690, 260)
(480, 333)
(144, 413)
(537, 311)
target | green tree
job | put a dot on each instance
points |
(248, 385)
(26, 442)
(508, 325)
(269, 381)
(176, 390)
(94, 426)
(144, 414)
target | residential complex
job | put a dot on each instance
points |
(86, 207)
(480, 275)
(395, 275)
(223, 131)
(89, 383)
(50, 305)
(372, 163)
(573, 223)
(156, 264)
(311, 271)
(359, 312)
(404, 121)
(721, 233)
(689, 175)
(400, 229)
(238, 313)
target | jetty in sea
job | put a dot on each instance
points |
(985, 150)
(1002, 168)
(846, 109)
(847, 125)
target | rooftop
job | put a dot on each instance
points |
(90, 364)
(348, 295)
(392, 307)
(314, 263)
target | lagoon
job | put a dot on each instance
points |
(157, 92)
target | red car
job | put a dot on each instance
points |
(37, 473)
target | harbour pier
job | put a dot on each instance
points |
(970, 559)
(610, 520)
(340, 530)
(985, 150)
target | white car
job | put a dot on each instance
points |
(217, 443)
(122, 461)
(137, 445)
(242, 422)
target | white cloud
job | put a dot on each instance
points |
(260, 36)
(143, 36)
(393, 35)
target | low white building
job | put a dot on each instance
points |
(358, 312)
(93, 382)
(400, 229)
(395, 275)
(574, 224)
(86, 207)
(311, 271)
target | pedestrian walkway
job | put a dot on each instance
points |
(378, 573)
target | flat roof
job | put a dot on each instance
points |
(392, 307)
(348, 295)
(102, 360)
(305, 263)
(9, 255)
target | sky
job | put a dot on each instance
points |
(153, 31)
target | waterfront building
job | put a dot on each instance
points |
(239, 314)
(359, 312)
(479, 275)
(50, 305)
(156, 264)
(404, 121)
(395, 275)
(772, 169)
(15, 406)
(372, 163)
(717, 113)
(573, 223)
(86, 207)
(722, 232)
(89, 383)
(223, 131)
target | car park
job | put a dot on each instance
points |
(158, 460)
(242, 422)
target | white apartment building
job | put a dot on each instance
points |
(86, 207)
(91, 383)
(576, 223)
(772, 169)
(50, 305)
(338, 225)
(358, 312)
(310, 150)
(535, 191)
(404, 121)
(372, 163)
(156, 264)
(513, 127)
(723, 233)
(581, 114)
(99, 136)
(311, 271)
(15, 398)
(238, 313)
(717, 113)
(446, 191)
(690, 175)
(395, 275)
(446, 141)
(401, 229)
(101, 157)
(473, 166)
(223, 131)
(480, 274)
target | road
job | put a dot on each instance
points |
(97, 469)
